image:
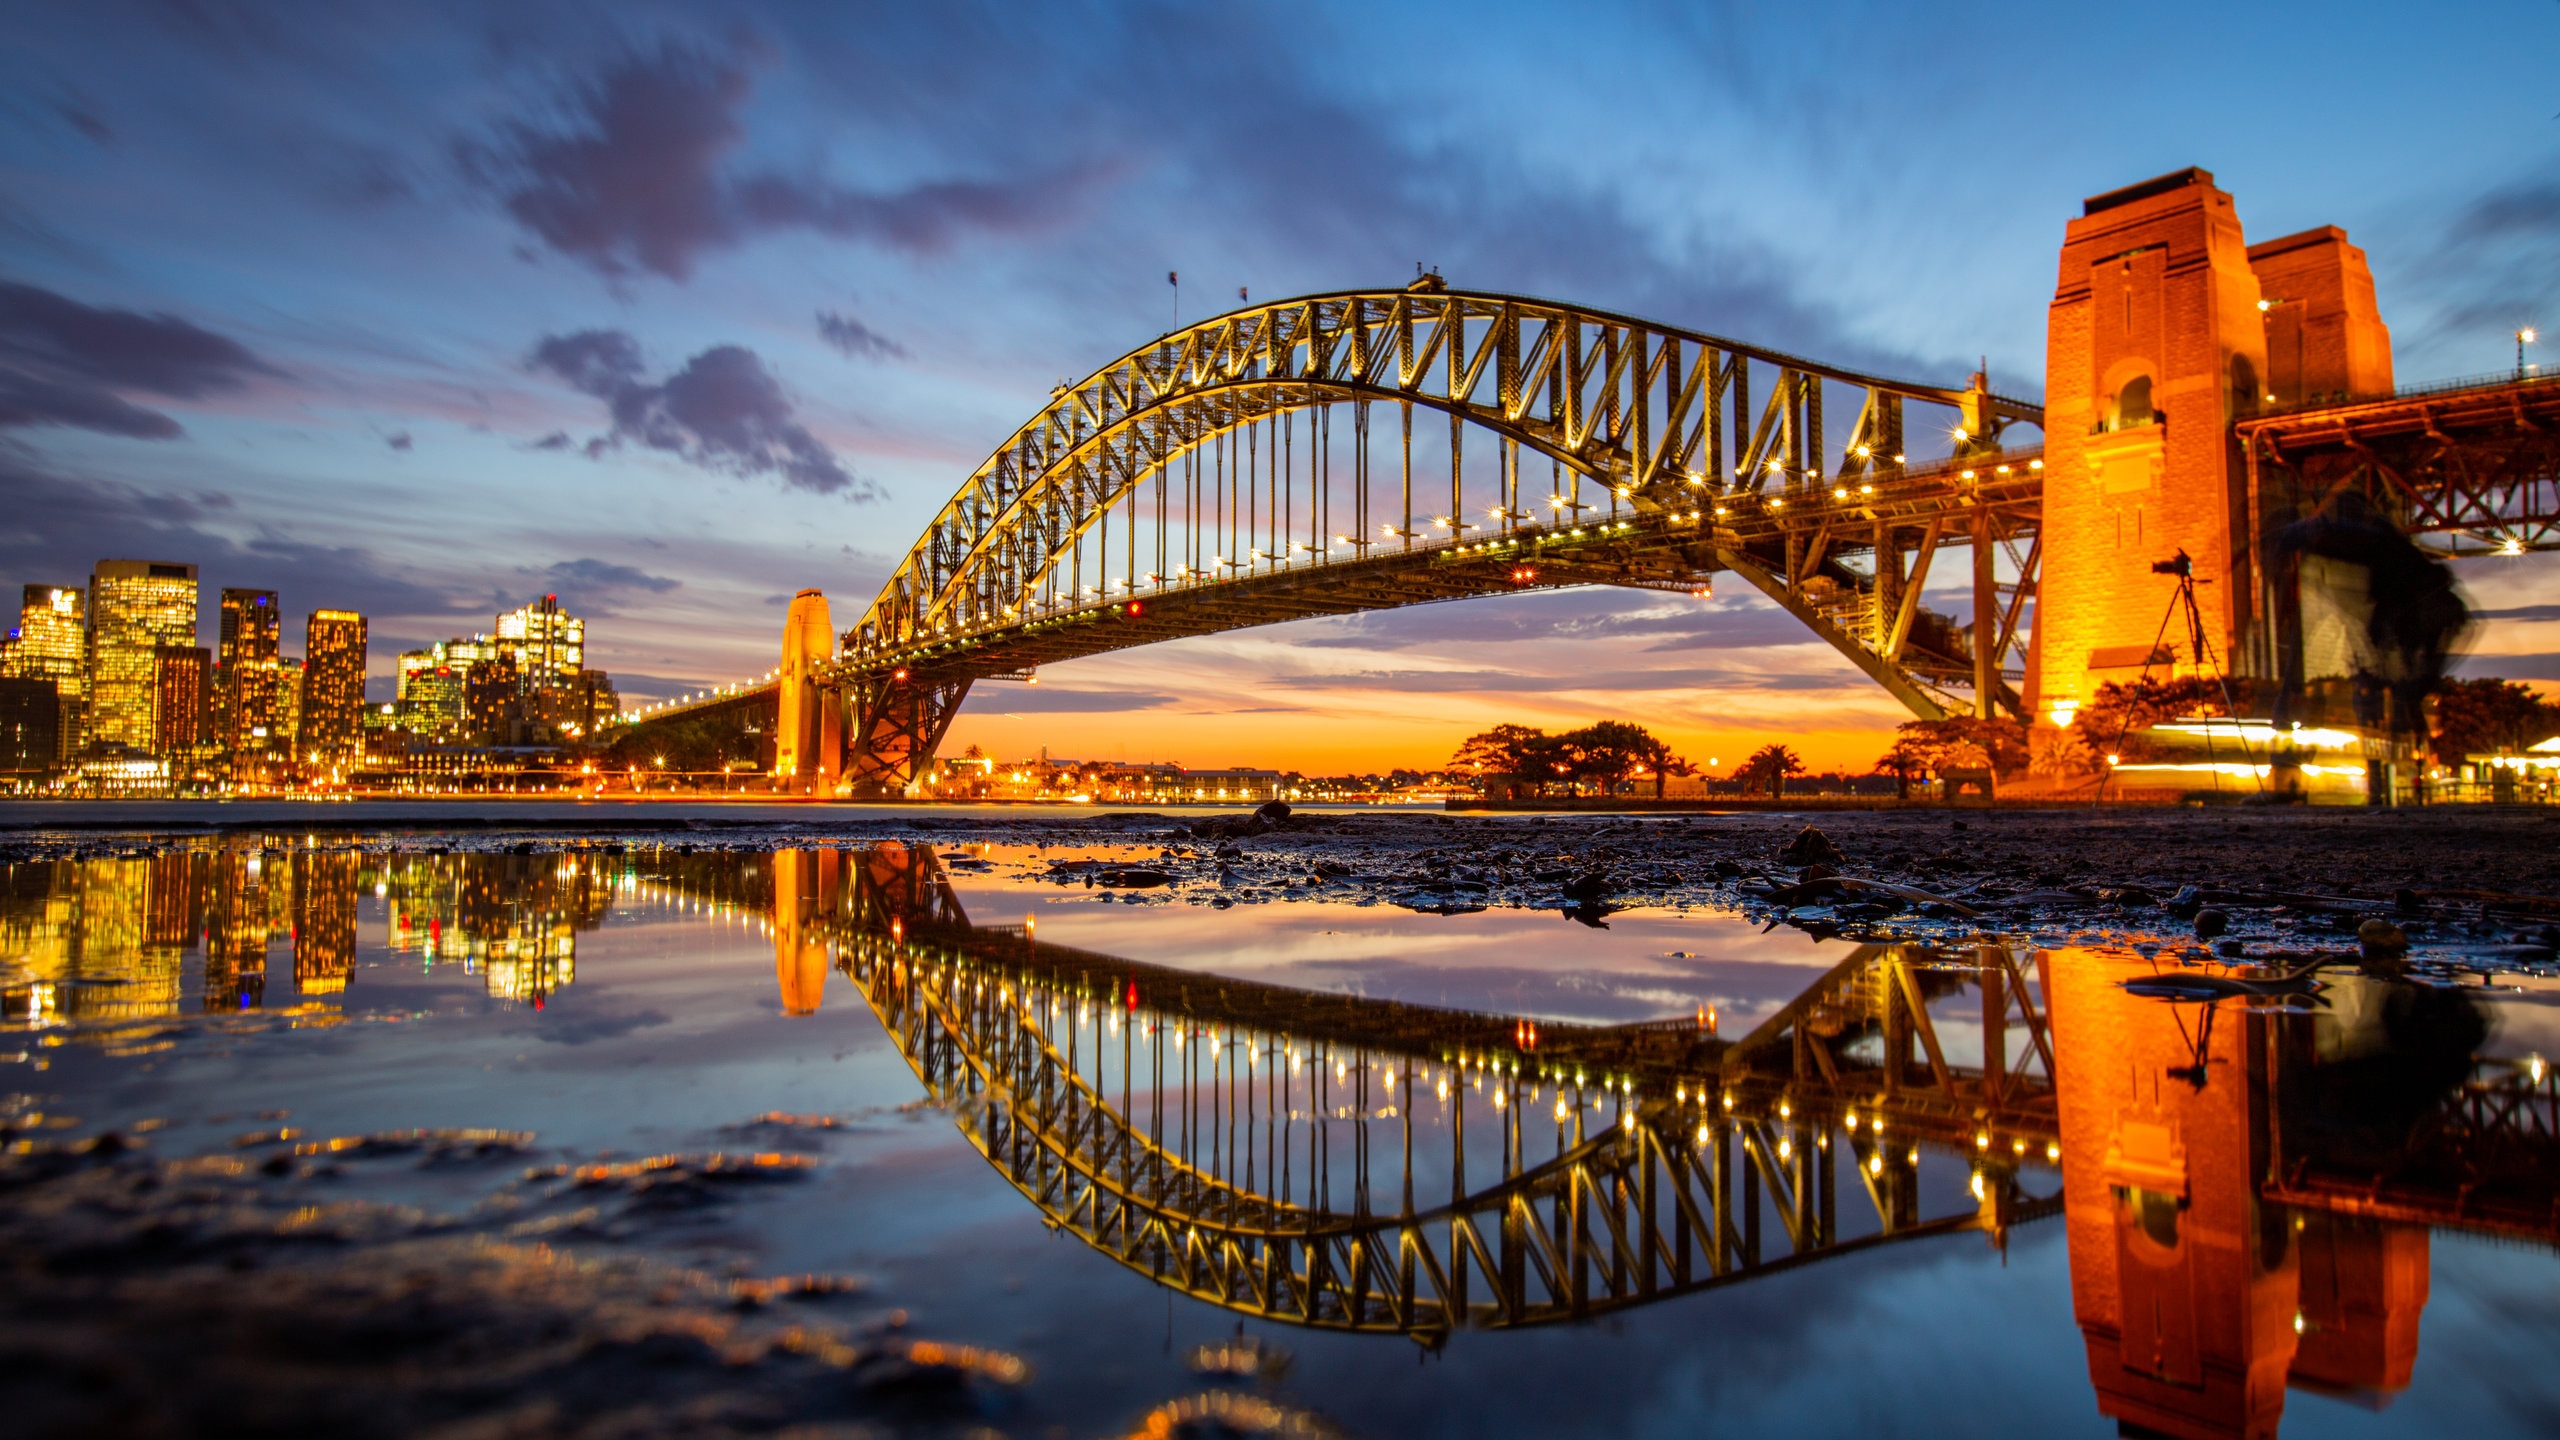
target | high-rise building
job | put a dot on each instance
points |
(181, 678)
(288, 702)
(135, 607)
(493, 703)
(432, 683)
(332, 728)
(252, 632)
(548, 645)
(51, 642)
(30, 729)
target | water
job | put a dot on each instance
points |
(1102, 1135)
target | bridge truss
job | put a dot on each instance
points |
(1232, 474)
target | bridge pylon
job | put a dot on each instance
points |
(809, 726)
(2167, 327)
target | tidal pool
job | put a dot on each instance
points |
(1357, 1169)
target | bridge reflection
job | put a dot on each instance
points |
(2248, 1190)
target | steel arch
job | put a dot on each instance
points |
(1634, 405)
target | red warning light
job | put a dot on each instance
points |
(1523, 574)
(1135, 607)
(900, 675)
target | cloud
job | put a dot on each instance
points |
(65, 363)
(722, 412)
(398, 440)
(605, 577)
(2520, 612)
(52, 528)
(856, 340)
(1043, 700)
(1596, 613)
(632, 175)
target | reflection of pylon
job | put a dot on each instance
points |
(2184, 568)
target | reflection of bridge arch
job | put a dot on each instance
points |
(1344, 1163)
(1192, 486)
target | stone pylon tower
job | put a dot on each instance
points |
(808, 746)
(2163, 324)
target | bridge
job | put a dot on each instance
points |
(1342, 453)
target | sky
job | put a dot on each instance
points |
(673, 310)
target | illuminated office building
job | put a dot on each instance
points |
(51, 643)
(433, 682)
(181, 680)
(332, 721)
(493, 702)
(252, 635)
(288, 703)
(548, 645)
(135, 608)
(30, 730)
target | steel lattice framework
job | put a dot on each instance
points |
(1195, 485)
(2475, 464)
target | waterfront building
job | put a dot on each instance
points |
(331, 729)
(245, 692)
(288, 705)
(548, 645)
(181, 681)
(492, 701)
(51, 643)
(30, 731)
(135, 607)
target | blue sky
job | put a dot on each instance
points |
(676, 309)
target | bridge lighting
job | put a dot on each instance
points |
(2511, 546)
(1897, 459)
(1778, 502)
(1866, 489)
(1958, 432)
(2000, 470)
(2035, 464)
(1968, 474)
(898, 674)
(1840, 493)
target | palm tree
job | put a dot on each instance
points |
(1770, 765)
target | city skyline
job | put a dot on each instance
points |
(454, 357)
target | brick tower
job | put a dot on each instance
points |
(2166, 326)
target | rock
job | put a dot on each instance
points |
(2210, 923)
(1811, 847)
(2407, 901)
(1587, 886)
(2185, 903)
(2231, 947)
(2379, 937)
(1273, 810)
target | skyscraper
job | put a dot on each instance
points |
(135, 607)
(52, 643)
(332, 730)
(252, 629)
(548, 645)
(181, 677)
(288, 703)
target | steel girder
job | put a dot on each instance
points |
(2478, 466)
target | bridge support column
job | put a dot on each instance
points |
(808, 640)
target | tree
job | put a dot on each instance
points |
(2477, 717)
(2114, 719)
(1522, 754)
(1770, 765)
(1959, 742)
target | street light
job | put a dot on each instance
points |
(2524, 337)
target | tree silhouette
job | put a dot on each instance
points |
(1769, 766)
